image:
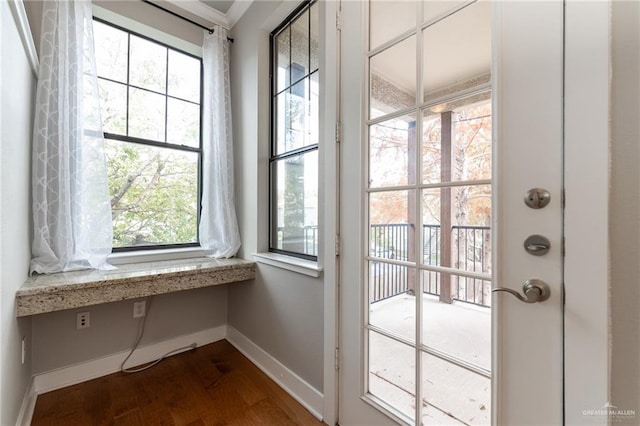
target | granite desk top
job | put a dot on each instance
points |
(67, 290)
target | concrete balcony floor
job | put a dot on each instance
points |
(452, 395)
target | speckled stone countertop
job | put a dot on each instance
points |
(67, 290)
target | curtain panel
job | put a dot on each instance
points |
(219, 234)
(71, 205)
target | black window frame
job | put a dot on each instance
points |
(158, 144)
(273, 155)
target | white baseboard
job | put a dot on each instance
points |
(89, 370)
(28, 405)
(300, 390)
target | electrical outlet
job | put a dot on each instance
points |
(139, 309)
(83, 320)
(24, 349)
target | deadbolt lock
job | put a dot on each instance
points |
(537, 198)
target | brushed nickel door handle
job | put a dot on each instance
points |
(535, 291)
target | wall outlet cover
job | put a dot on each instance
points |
(83, 320)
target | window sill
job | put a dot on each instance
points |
(290, 263)
(159, 255)
(68, 290)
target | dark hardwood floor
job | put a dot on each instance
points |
(211, 385)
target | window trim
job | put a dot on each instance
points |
(171, 247)
(273, 156)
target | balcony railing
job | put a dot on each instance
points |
(470, 252)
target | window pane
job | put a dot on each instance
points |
(146, 115)
(153, 194)
(314, 109)
(391, 144)
(184, 76)
(183, 123)
(283, 59)
(148, 65)
(392, 78)
(299, 118)
(296, 125)
(314, 36)
(282, 122)
(296, 204)
(113, 107)
(389, 19)
(111, 47)
(300, 47)
(465, 34)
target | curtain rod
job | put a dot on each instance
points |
(211, 30)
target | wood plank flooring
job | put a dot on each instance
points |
(211, 385)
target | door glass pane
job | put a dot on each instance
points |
(392, 305)
(392, 78)
(391, 226)
(455, 227)
(457, 51)
(392, 373)
(434, 9)
(389, 19)
(463, 395)
(461, 330)
(456, 142)
(392, 152)
(296, 207)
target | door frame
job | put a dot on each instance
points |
(586, 176)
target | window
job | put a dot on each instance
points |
(150, 97)
(293, 164)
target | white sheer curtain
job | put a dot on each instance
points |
(219, 234)
(71, 206)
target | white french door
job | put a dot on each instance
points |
(451, 113)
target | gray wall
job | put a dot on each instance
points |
(57, 343)
(625, 208)
(281, 311)
(135, 10)
(17, 83)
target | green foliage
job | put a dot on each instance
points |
(153, 194)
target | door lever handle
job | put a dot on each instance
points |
(534, 291)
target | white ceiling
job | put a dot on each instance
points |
(220, 5)
(220, 12)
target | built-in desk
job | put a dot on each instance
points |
(67, 290)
